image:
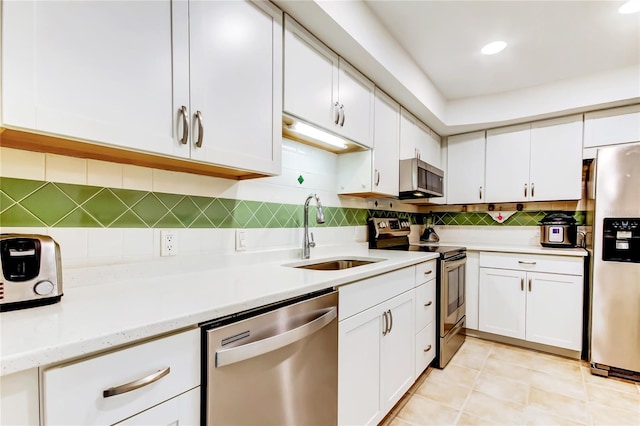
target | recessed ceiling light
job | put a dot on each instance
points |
(494, 47)
(632, 6)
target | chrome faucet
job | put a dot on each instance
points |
(307, 245)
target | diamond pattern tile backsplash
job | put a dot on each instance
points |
(31, 203)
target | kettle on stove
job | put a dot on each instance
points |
(429, 233)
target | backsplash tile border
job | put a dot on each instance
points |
(36, 203)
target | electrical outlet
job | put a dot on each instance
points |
(168, 243)
(241, 243)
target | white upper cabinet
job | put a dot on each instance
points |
(89, 71)
(418, 141)
(324, 90)
(465, 170)
(611, 126)
(555, 170)
(375, 172)
(135, 74)
(507, 164)
(386, 145)
(236, 80)
(535, 162)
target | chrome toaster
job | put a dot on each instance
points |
(30, 271)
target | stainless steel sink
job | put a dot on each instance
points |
(335, 264)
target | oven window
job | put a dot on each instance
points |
(455, 288)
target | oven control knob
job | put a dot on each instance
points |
(43, 287)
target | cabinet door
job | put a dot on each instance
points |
(386, 147)
(612, 126)
(356, 96)
(397, 350)
(465, 172)
(502, 299)
(428, 145)
(86, 70)
(425, 347)
(236, 78)
(472, 278)
(359, 368)
(409, 135)
(181, 410)
(554, 310)
(507, 164)
(556, 159)
(310, 77)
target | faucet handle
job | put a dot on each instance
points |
(312, 243)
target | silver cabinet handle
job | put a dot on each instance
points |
(532, 190)
(521, 284)
(428, 272)
(270, 344)
(342, 116)
(377, 177)
(480, 193)
(200, 129)
(523, 262)
(530, 285)
(427, 349)
(426, 305)
(525, 189)
(185, 125)
(385, 329)
(390, 320)
(136, 384)
(336, 113)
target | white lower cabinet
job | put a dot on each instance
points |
(376, 346)
(156, 382)
(537, 298)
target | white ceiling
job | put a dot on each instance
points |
(548, 41)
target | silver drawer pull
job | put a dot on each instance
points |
(426, 305)
(428, 272)
(522, 262)
(427, 349)
(136, 384)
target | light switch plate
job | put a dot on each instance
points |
(241, 242)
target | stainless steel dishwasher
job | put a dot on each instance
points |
(276, 365)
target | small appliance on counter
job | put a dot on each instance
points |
(429, 234)
(558, 230)
(30, 271)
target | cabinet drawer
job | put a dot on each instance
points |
(426, 271)
(425, 304)
(364, 294)
(73, 393)
(425, 347)
(533, 262)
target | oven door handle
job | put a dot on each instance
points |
(453, 264)
(254, 349)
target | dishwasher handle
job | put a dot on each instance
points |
(254, 349)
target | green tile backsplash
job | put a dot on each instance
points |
(30, 203)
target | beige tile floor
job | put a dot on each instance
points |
(490, 383)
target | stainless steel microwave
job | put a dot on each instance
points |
(420, 180)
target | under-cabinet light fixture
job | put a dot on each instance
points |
(317, 134)
(632, 6)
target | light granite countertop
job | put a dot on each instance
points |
(111, 306)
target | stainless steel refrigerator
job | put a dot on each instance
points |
(615, 309)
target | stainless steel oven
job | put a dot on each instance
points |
(451, 312)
